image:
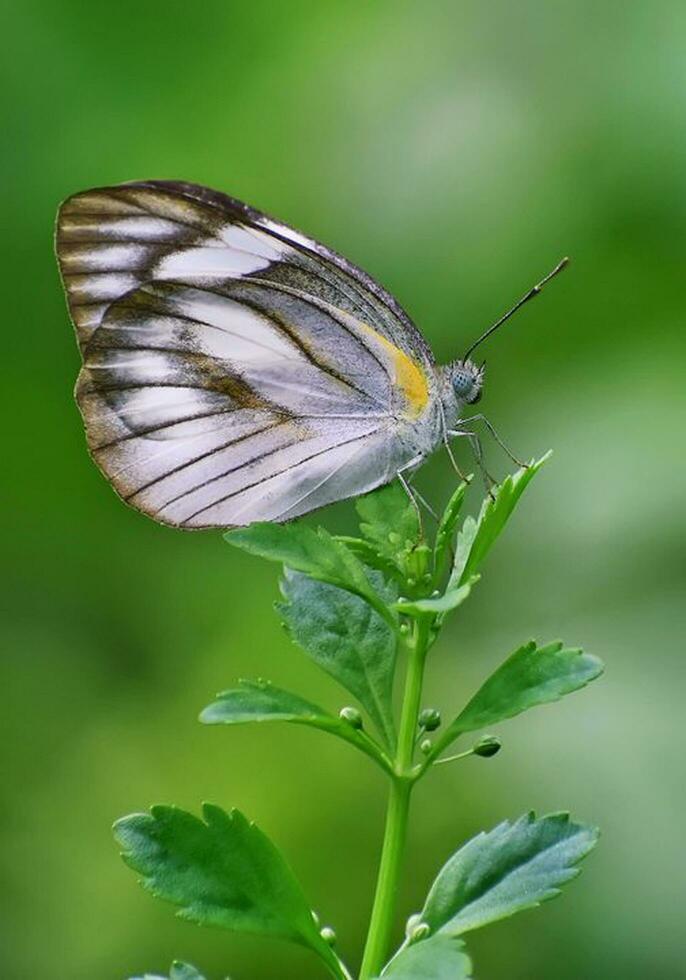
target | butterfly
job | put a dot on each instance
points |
(235, 370)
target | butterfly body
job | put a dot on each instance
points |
(235, 370)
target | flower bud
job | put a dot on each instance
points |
(328, 935)
(420, 931)
(487, 746)
(425, 746)
(411, 924)
(430, 719)
(352, 716)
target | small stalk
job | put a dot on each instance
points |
(402, 780)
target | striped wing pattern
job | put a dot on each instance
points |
(233, 370)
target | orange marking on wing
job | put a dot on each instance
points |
(409, 377)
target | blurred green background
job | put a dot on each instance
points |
(456, 151)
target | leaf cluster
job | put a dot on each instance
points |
(353, 605)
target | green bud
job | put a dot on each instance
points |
(420, 931)
(430, 719)
(425, 746)
(328, 935)
(352, 716)
(487, 746)
(404, 628)
(412, 923)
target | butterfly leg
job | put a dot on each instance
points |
(475, 443)
(412, 468)
(412, 492)
(451, 456)
(422, 500)
(408, 490)
(491, 429)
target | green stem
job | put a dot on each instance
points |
(402, 780)
(383, 911)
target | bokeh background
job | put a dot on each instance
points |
(456, 151)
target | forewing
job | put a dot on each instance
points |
(112, 239)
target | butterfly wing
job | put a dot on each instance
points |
(232, 372)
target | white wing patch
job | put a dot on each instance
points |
(100, 286)
(102, 258)
(207, 263)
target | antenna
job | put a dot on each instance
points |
(534, 291)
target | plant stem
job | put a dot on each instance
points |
(402, 780)
(381, 921)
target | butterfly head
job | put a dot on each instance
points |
(467, 380)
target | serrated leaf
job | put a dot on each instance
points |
(451, 599)
(260, 701)
(446, 528)
(514, 867)
(346, 638)
(220, 871)
(436, 958)
(389, 521)
(316, 553)
(530, 676)
(179, 971)
(478, 539)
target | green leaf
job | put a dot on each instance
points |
(451, 599)
(368, 555)
(477, 539)
(436, 958)
(446, 528)
(389, 521)
(346, 638)
(465, 540)
(260, 701)
(316, 553)
(179, 971)
(514, 867)
(531, 676)
(222, 871)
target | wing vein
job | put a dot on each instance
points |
(272, 476)
(205, 455)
